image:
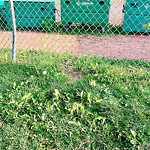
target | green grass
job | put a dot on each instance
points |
(61, 101)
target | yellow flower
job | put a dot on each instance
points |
(93, 83)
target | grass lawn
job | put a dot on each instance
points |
(65, 102)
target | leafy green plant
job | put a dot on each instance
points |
(146, 24)
(49, 25)
(111, 29)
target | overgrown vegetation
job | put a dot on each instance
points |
(61, 101)
(49, 26)
(79, 29)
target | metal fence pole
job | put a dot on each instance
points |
(13, 30)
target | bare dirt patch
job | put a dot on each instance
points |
(120, 46)
(74, 75)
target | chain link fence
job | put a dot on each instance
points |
(107, 28)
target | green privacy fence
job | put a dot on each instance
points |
(1, 3)
(31, 13)
(74, 11)
(137, 16)
(2, 9)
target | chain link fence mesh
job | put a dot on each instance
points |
(107, 28)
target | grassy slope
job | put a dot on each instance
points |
(67, 102)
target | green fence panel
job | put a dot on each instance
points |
(2, 13)
(137, 16)
(2, 3)
(31, 13)
(85, 11)
(137, 7)
(134, 23)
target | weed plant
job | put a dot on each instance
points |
(61, 101)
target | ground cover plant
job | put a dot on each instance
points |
(61, 101)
